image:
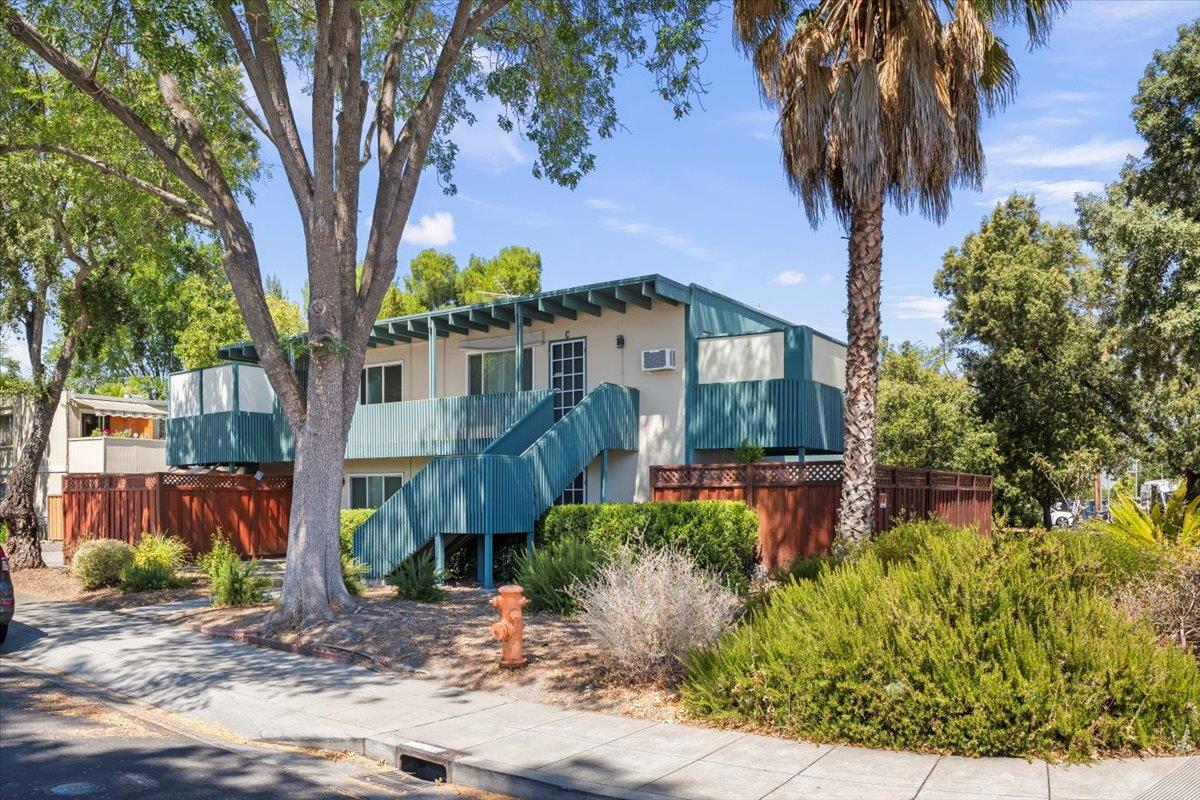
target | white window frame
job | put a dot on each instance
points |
(558, 501)
(383, 381)
(348, 497)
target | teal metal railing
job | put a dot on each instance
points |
(501, 490)
(434, 427)
(783, 413)
(437, 426)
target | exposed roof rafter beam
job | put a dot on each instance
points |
(571, 301)
(402, 333)
(633, 294)
(532, 312)
(556, 308)
(487, 319)
(601, 298)
(651, 289)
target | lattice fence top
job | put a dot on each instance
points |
(790, 473)
(91, 482)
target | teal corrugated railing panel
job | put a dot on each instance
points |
(437, 426)
(525, 430)
(784, 413)
(606, 419)
(227, 437)
(501, 490)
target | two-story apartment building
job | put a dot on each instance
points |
(473, 421)
(88, 433)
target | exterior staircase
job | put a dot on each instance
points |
(506, 487)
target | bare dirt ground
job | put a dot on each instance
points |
(451, 641)
(56, 583)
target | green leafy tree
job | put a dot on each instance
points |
(929, 418)
(213, 318)
(1145, 232)
(880, 100)
(388, 83)
(435, 281)
(78, 211)
(514, 272)
(1019, 291)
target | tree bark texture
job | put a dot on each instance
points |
(19, 507)
(857, 511)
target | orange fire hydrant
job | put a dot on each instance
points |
(511, 627)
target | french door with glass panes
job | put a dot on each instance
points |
(568, 380)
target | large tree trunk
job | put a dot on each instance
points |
(19, 507)
(313, 588)
(857, 512)
(1191, 478)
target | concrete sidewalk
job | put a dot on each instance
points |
(516, 747)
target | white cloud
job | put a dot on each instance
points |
(603, 204)
(432, 230)
(790, 277)
(758, 124)
(485, 144)
(1050, 193)
(1063, 98)
(827, 277)
(663, 236)
(1029, 151)
(1114, 13)
(919, 307)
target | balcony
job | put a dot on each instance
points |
(228, 414)
(116, 454)
(784, 413)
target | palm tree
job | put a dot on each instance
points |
(880, 99)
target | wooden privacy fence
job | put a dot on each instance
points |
(797, 503)
(254, 513)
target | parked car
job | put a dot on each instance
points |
(1062, 517)
(7, 599)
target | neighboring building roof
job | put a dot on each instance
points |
(120, 406)
(546, 306)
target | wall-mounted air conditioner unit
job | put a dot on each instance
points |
(658, 360)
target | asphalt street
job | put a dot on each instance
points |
(59, 740)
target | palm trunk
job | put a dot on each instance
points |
(19, 507)
(856, 515)
(313, 588)
(1191, 478)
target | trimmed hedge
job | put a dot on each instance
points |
(939, 639)
(99, 562)
(721, 535)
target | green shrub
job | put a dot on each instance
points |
(746, 453)
(551, 571)
(221, 552)
(353, 570)
(156, 558)
(417, 578)
(99, 562)
(233, 582)
(721, 535)
(162, 549)
(969, 645)
(236, 583)
(149, 577)
(1177, 523)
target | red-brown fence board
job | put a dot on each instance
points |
(254, 513)
(797, 503)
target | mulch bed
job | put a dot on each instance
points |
(56, 583)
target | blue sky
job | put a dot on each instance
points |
(704, 199)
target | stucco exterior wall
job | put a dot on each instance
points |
(828, 362)
(750, 357)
